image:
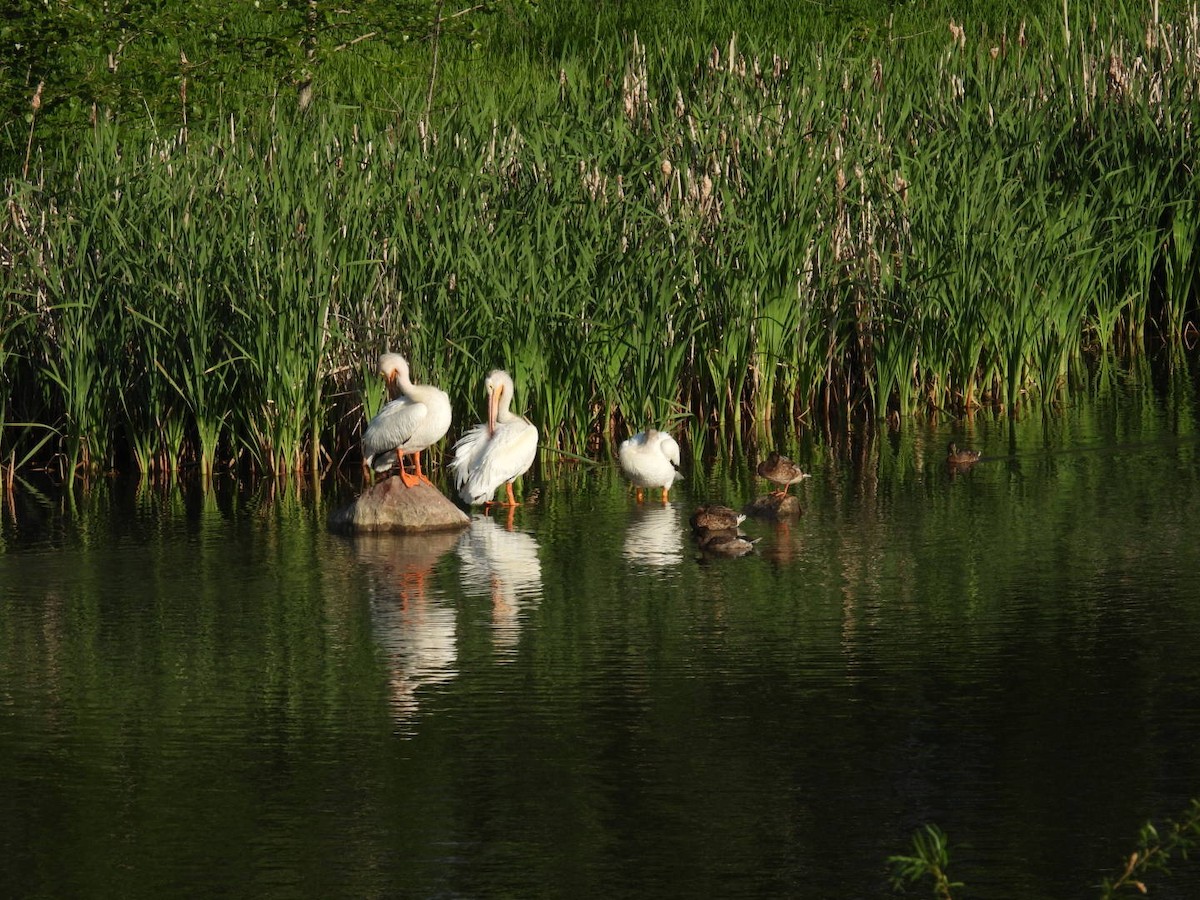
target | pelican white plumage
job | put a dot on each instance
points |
(496, 452)
(414, 421)
(648, 459)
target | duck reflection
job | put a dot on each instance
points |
(502, 564)
(416, 629)
(782, 550)
(655, 538)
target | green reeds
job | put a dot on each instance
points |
(749, 240)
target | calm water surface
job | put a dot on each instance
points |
(208, 694)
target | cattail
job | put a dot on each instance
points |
(36, 103)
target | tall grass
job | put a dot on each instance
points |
(744, 241)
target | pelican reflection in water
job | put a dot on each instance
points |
(504, 566)
(416, 628)
(654, 538)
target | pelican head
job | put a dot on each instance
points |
(499, 387)
(394, 368)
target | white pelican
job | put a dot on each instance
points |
(648, 459)
(415, 420)
(495, 453)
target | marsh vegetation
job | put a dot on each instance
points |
(736, 237)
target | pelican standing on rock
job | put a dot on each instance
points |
(648, 459)
(497, 452)
(414, 421)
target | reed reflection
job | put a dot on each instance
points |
(502, 564)
(654, 537)
(415, 628)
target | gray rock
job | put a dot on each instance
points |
(390, 506)
(774, 506)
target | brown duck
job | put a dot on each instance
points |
(724, 542)
(956, 457)
(780, 470)
(713, 517)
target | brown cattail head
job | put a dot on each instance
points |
(37, 96)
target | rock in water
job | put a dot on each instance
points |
(774, 506)
(390, 506)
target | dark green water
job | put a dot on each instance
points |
(208, 694)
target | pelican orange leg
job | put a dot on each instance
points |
(420, 474)
(405, 478)
(510, 502)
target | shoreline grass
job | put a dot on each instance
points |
(740, 242)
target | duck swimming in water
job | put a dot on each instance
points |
(956, 457)
(724, 542)
(714, 517)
